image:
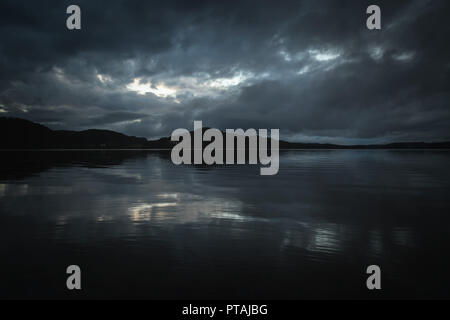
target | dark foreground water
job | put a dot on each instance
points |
(141, 227)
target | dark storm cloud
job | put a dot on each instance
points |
(310, 68)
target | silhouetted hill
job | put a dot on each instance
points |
(18, 133)
(397, 145)
(23, 134)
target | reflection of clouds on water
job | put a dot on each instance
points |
(180, 208)
(51, 190)
(403, 237)
(105, 218)
(333, 239)
(116, 174)
(169, 196)
(14, 190)
(62, 220)
(318, 239)
(376, 243)
(326, 239)
(226, 215)
(147, 211)
(151, 190)
(21, 190)
(322, 208)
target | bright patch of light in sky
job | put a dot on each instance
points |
(199, 85)
(23, 108)
(324, 55)
(285, 55)
(404, 56)
(304, 70)
(60, 75)
(131, 121)
(376, 53)
(104, 78)
(288, 57)
(142, 88)
(225, 83)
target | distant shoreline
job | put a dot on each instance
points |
(18, 134)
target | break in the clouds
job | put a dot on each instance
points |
(310, 68)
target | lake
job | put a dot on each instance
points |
(140, 227)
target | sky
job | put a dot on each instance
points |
(310, 68)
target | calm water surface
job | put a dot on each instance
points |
(141, 227)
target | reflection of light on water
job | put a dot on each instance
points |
(325, 240)
(403, 237)
(169, 196)
(52, 190)
(20, 190)
(116, 172)
(104, 218)
(226, 215)
(144, 212)
(61, 220)
(16, 190)
(236, 217)
(197, 210)
(376, 243)
(293, 239)
(188, 208)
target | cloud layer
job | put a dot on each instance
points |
(310, 68)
